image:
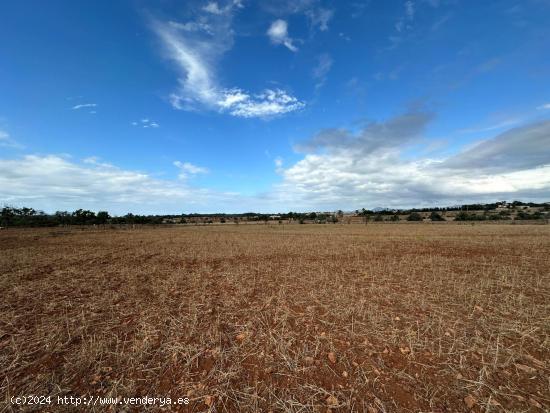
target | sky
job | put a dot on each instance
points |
(232, 106)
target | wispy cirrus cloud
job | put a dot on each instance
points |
(505, 123)
(320, 72)
(404, 22)
(320, 17)
(84, 105)
(7, 142)
(196, 48)
(440, 22)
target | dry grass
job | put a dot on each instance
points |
(389, 318)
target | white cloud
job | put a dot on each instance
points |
(278, 33)
(84, 105)
(146, 123)
(341, 179)
(187, 168)
(213, 8)
(268, 103)
(318, 17)
(545, 106)
(53, 182)
(345, 170)
(7, 142)
(340, 169)
(196, 55)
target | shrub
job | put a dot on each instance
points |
(415, 216)
(435, 216)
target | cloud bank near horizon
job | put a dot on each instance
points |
(339, 170)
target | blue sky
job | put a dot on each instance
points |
(233, 106)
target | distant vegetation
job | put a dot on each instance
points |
(517, 210)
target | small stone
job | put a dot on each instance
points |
(209, 401)
(332, 400)
(405, 350)
(470, 401)
(240, 336)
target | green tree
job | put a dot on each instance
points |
(63, 217)
(83, 217)
(102, 217)
(8, 216)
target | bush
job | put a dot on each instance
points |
(415, 216)
(434, 216)
(525, 215)
(464, 216)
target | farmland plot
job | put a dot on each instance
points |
(303, 318)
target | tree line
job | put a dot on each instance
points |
(29, 217)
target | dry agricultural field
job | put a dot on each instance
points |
(302, 318)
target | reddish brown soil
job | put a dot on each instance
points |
(304, 318)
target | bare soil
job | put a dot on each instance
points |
(302, 318)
